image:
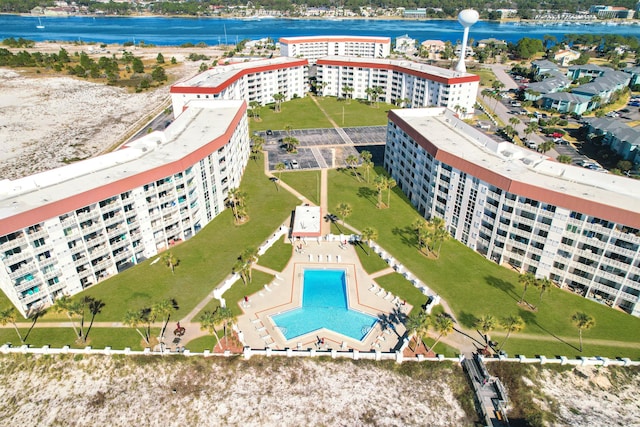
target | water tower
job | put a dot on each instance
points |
(466, 18)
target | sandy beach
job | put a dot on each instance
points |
(47, 122)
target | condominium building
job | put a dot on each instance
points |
(68, 228)
(315, 47)
(581, 228)
(251, 81)
(411, 84)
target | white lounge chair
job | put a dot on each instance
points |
(328, 258)
(343, 346)
(274, 283)
(310, 257)
(256, 321)
(261, 329)
(388, 296)
(319, 258)
(395, 301)
(380, 292)
(373, 288)
(266, 287)
(338, 258)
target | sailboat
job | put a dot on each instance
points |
(39, 26)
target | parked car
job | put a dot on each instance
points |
(294, 164)
(269, 132)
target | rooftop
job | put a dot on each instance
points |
(137, 163)
(221, 74)
(522, 167)
(402, 63)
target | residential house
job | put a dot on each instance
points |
(566, 102)
(620, 137)
(405, 44)
(566, 56)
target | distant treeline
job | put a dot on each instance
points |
(82, 65)
(527, 9)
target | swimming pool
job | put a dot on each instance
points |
(324, 305)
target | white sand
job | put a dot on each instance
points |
(282, 392)
(45, 120)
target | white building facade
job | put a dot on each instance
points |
(68, 228)
(419, 85)
(315, 47)
(250, 81)
(578, 227)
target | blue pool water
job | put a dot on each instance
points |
(324, 305)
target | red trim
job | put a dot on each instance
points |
(337, 39)
(77, 201)
(566, 200)
(399, 68)
(237, 76)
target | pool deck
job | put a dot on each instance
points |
(285, 293)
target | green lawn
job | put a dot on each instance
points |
(205, 260)
(278, 255)
(301, 113)
(569, 348)
(237, 293)
(306, 183)
(398, 285)
(472, 285)
(371, 261)
(116, 338)
(356, 113)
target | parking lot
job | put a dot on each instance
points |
(322, 148)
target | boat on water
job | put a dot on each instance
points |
(40, 26)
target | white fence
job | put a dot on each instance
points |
(288, 352)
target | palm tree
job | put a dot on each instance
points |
(370, 93)
(486, 324)
(352, 161)
(563, 158)
(439, 233)
(525, 280)
(344, 210)
(418, 323)
(226, 316)
(420, 226)
(278, 97)
(377, 91)
(390, 184)
(254, 105)
(380, 182)
(514, 121)
(133, 319)
(71, 308)
(545, 285)
(582, 321)
(531, 128)
(256, 147)
(163, 310)
(249, 257)
(280, 167)
(170, 261)
(546, 146)
(291, 143)
(444, 326)
(511, 324)
(348, 90)
(10, 315)
(236, 201)
(369, 234)
(242, 269)
(208, 321)
(366, 157)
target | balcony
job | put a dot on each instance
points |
(115, 218)
(29, 267)
(15, 258)
(120, 244)
(91, 228)
(28, 284)
(115, 231)
(103, 265)
(84, 216)
(51, 274)
(20, 241)
(28, 299)
(68, 221)
(99, 251)
(34, 235)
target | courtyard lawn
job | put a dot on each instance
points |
(204, 260)
(472, 285)
(306, 183)
(300, 113)
(569, 348)
(116, 338)
(398, 285)
(237, 292)
(356, 113)
(371, 262)
(207, 342)
(278, 255)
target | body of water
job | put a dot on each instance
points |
(324, 305)
(213, 31)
